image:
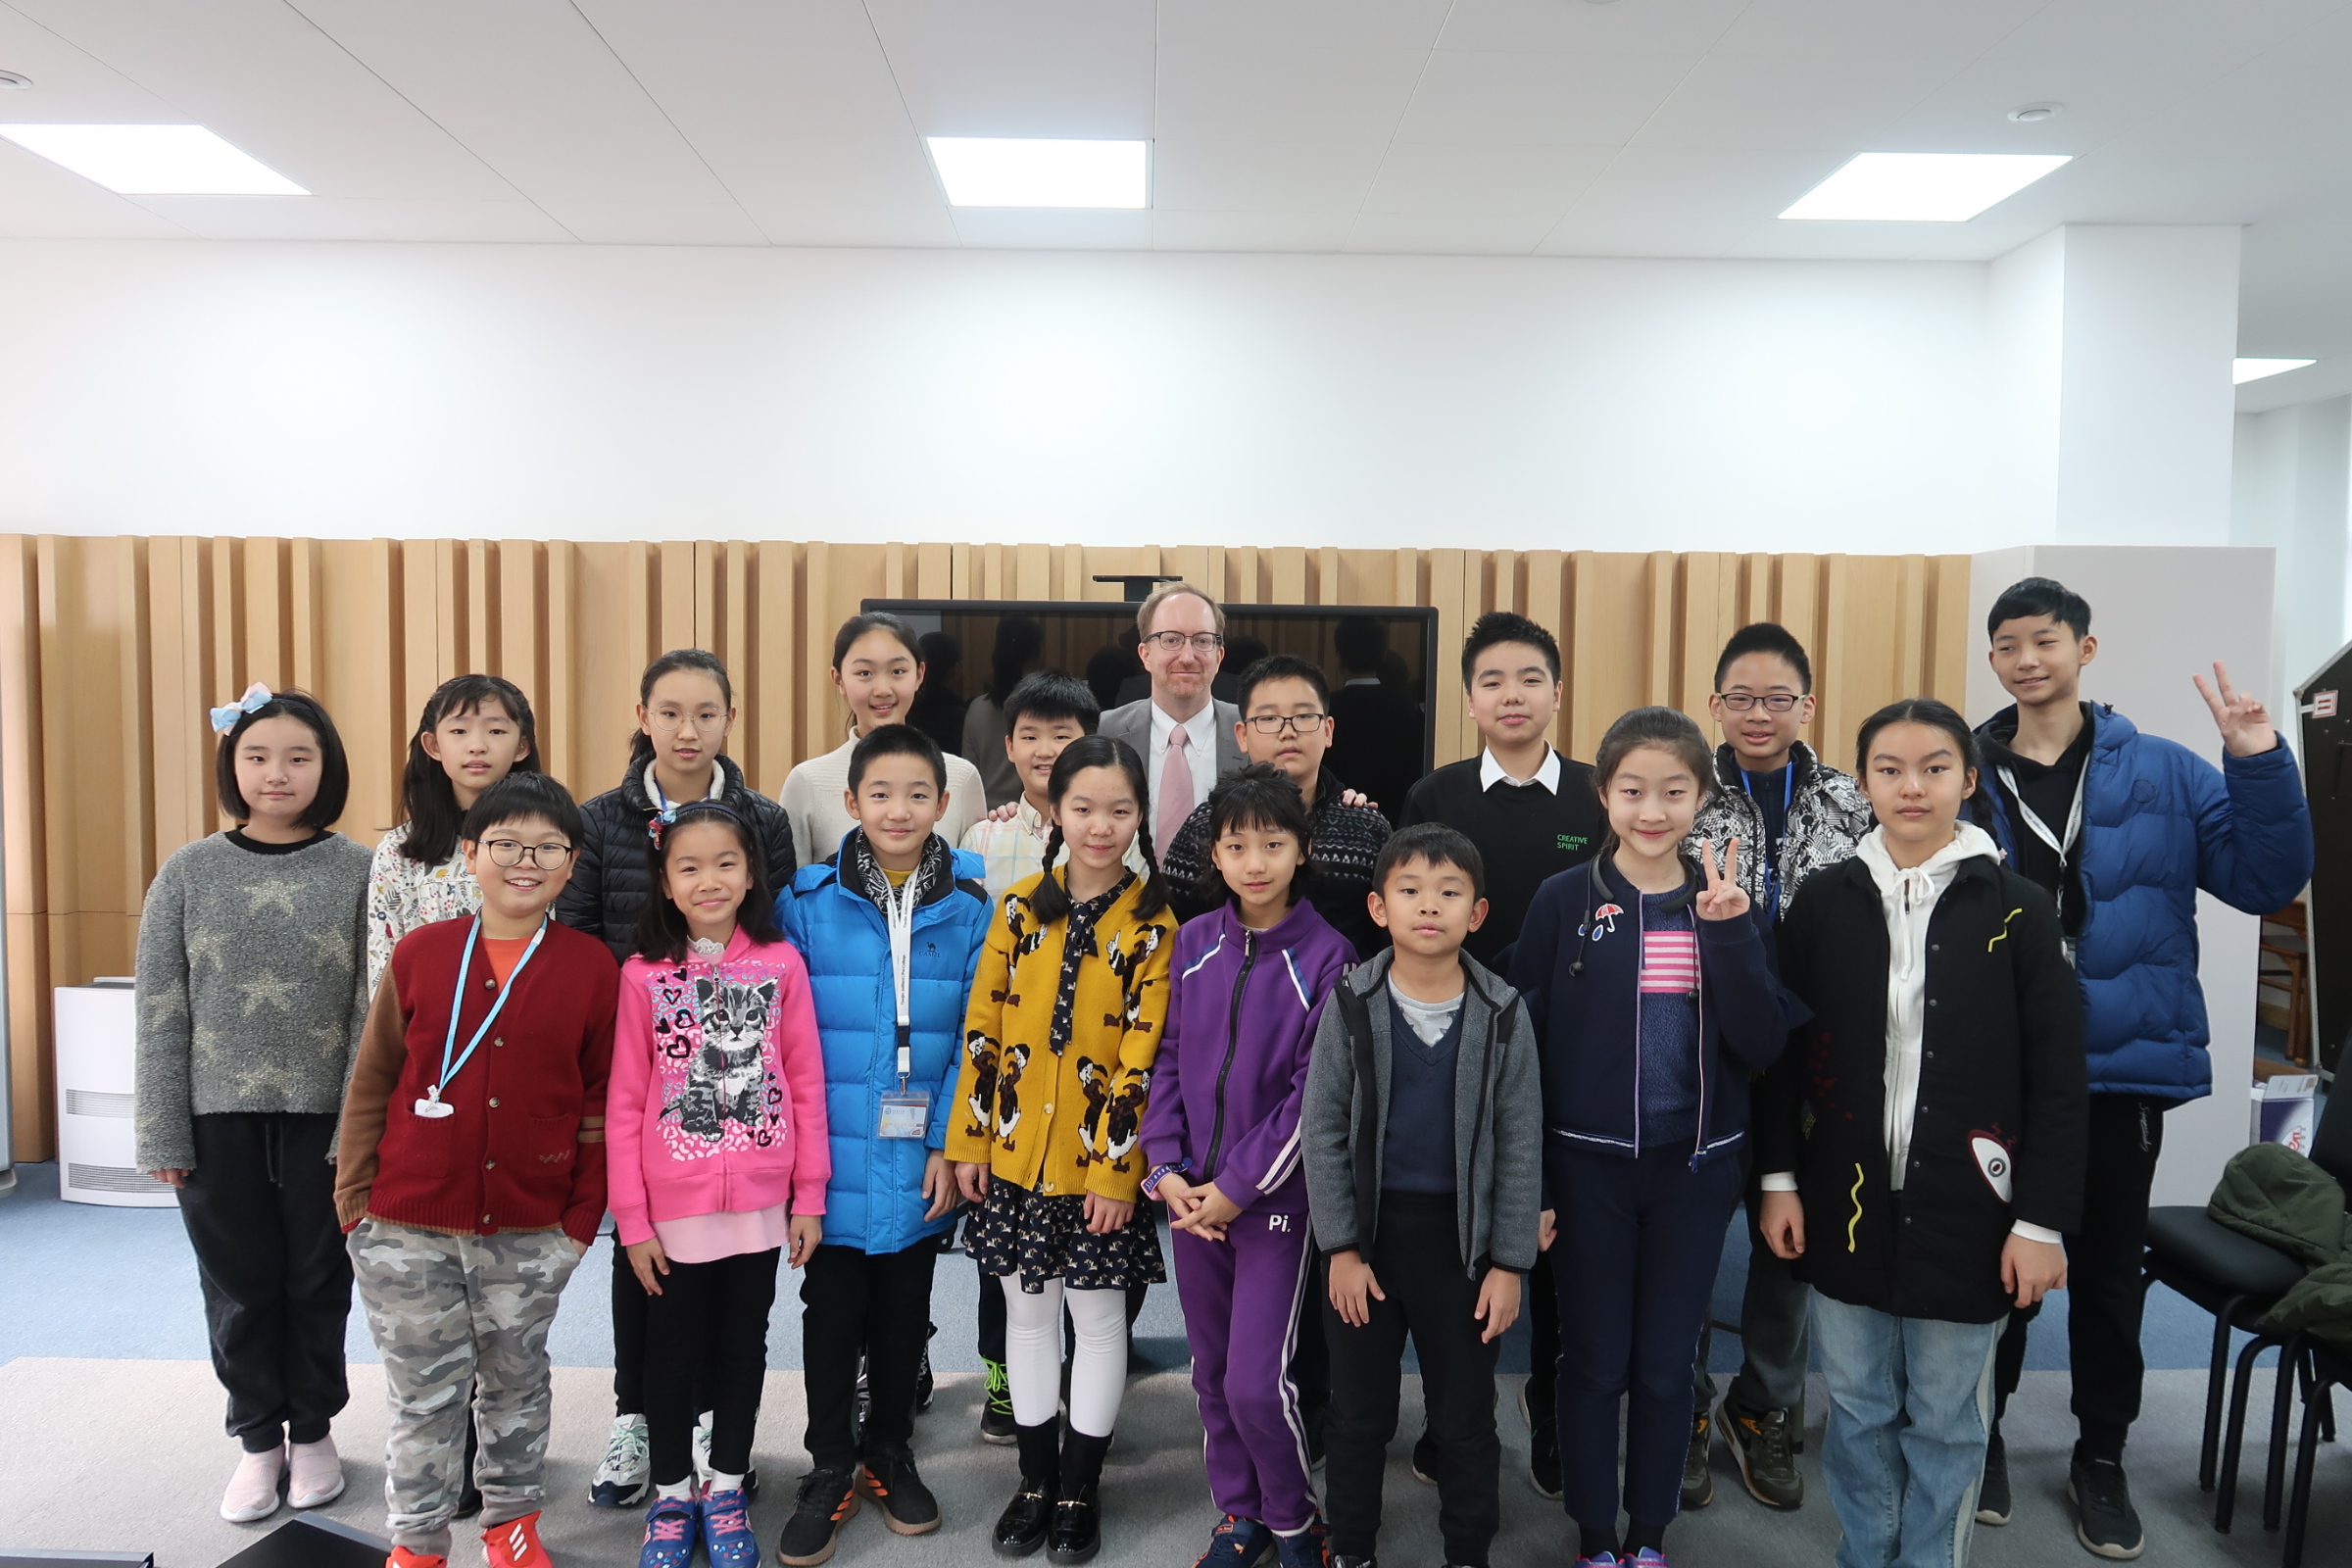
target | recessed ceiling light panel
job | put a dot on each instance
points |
(2243, 371)
(154, 160)
(1011, 172)
(1922, 187)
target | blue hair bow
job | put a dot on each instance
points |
(256, 696)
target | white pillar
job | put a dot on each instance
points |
(2294, 493)
(2111, 351)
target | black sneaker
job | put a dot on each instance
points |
(1699, 1474)
(996, 1424)
(889, 1477)
(1022, 1528)
(1760, 1445)
(1543, 1462)
(923, 1387)
(2105, 1521)
(1355, 1562)
(1425, 1459)
(826, 1499)
(1992, 1493)
(1076, 1533)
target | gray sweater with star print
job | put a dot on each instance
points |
(252, 985)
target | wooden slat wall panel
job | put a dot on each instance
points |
(111, 649)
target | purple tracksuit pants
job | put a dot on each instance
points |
(1241, 1298)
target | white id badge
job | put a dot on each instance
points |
(904, 1115)
(432, 1108)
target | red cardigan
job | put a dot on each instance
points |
(523, 1149)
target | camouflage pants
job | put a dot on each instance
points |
(449, 1313)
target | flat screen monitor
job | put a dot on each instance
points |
(1379, 660)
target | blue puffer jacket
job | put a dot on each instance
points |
(2159, 822)
(874, 1200)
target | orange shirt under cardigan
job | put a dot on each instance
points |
(523, 1147)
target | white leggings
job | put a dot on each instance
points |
(1033, 1355)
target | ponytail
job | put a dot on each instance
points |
(641, 745)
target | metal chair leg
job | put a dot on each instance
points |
(2225, 1505)
(2217, 1387)
(2293, 1368)
(2298, 1515)
(2327, 1413)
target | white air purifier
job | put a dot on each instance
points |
(97, 1080)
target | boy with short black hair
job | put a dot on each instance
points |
(1287, 722)
(470, 1173)
(1043, 713)
(1533, 814)
(1792, 813)
(1422, 1139)
(2124, 829)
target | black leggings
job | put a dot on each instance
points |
(709, 1325)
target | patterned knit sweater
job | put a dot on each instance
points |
(252, 985)
(1347, 841)
(403, 895)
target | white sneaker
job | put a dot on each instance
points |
(626, 1475)
(702, 1445)
(253, 1488)
(315, 1474)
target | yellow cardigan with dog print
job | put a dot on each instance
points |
(1072, 1123)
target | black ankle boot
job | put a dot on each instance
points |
(1023, 1525)
(1077, 1532)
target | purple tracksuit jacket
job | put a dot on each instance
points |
(1226, 1093)
(1231, 1073)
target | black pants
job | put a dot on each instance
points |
(2103, 1294)
(630, 1307)
(260, 1208)
(1417, 1259)
(709, 1325)
(1543, 1349)
(877, 1303)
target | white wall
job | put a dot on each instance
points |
(363, 389)
(2292, 491)
(2163, 615)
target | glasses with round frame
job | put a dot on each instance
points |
(1277, 723)
(508, 853)
(669, 722)
(1172, 642)
(1774, 702)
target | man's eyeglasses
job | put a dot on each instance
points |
(1172, 642)
(668, 721)
(1742, 702)
(1277, 723)
(546, 856)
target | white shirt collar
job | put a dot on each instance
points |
(1201, 726)
(1490, 774)
(652, 791)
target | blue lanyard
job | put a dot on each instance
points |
(458, 1003)
(1772, 859)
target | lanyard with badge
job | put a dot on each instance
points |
(1772, 848)
(907, 1112)
(432, 1106)
(2042, 830)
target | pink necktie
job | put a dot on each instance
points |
(1175, 791)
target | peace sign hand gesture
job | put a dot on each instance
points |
(2243, 720)
(1724, 899)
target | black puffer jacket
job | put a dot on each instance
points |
(611, 878)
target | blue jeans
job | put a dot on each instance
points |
(1910, 1404)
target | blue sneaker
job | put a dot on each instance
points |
(1308, 1548)
(727, 1539)
(1600, 1559)
(1237, 1542)
(1648, 1557)
(672, 1526)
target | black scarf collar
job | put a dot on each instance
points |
(862, 874)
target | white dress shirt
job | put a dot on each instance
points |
(1202, 753)
(1490, 772)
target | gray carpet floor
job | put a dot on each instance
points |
(119, 1454)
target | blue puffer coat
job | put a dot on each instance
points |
(2159, 822)
(874, 1200)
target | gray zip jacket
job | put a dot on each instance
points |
(1498, 1119)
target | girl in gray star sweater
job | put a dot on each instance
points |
(252, 989)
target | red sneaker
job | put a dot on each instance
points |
(514, 1543)
(402, 1557)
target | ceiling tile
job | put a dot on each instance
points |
(334, 217)
(644, 223)
(1036, 230)
(1785, 103)
(1563, 99)
(843, 171)
(2100, 98)
(753, 67)
(1709, 185)
(1302, 24)
(861, 227)
(2290, 102)
(1250, 231)
(1515, 181)
(2222, 32)
(1238, 176)
(1685, 27)
(1021, 67)
(1446, 234)
(1953, 30)
(69, 84)
(1284, 94)
(38, 200)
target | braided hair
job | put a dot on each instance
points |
(1052, 900)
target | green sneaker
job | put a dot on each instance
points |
(997, 1424)
(1760, 1442)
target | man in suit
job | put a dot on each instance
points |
(1182, 734)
